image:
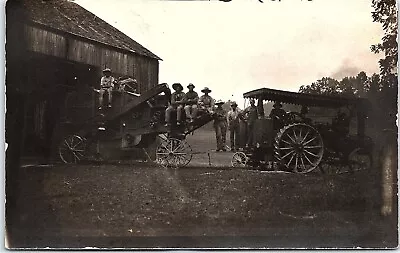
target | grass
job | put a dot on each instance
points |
(109, 202)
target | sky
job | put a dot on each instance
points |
(243, 45)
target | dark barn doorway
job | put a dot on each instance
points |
(53, 80)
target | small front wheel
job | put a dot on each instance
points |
(239, 159)
(173, 152)
(72, 149)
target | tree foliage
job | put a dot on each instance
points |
(357, 86)
(385, 12)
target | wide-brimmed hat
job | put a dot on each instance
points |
(206, 89)
(175, 85)
(277, 104)
(107, 70)
(233, 104)
(219, 102)
(191, 85)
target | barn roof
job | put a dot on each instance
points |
(69, 17)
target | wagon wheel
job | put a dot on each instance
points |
(173, 152)
(72, 149)
(299, 148)
(359, 159)
(239, 159)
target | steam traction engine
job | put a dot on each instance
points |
(299, 144)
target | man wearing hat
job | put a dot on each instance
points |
(191, 99)
(206, 101)
(252, 116)
(234, 126)
(106, 84)
(278, 115)
(177, 102)
(220, 126)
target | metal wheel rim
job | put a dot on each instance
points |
(239, 159)
(173, 152)
(299, 148)
(72, 149)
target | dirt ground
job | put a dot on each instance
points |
(138, 205)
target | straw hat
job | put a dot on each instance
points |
(176, 85)
(206, 89)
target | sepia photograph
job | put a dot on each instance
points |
(201, 124)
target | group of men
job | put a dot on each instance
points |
(231, 120)
(189, 102)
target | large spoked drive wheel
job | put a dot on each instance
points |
(173, 152)
(72, 149)
(359, 159)
(239, 159)
(299, 148)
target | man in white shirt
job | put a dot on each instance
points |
(106, 85)
(234, 126)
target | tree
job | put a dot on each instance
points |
(326, 85)
(351, 86)
(385, 12)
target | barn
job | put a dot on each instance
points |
(56, 48)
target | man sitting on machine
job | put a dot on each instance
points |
(206, 102)
(106, 85)
(177, 102)
(191, 99)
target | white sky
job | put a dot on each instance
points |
(244, 45)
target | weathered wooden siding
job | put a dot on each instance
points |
(72, 48)
(45, 42)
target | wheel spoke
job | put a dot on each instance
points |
(294, 134)
(66, 143)
(290, 137)
(286, 148)
(301, 130)
(308, 152)
(286, 142)
(312, 146)
(302, 163)
(166, 148)
(181, 144)
(287, 154)
(305, 136)
(308, 159)
(305, 143)
(295, 165)
(76, 145)
(291, 158)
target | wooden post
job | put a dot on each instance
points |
(260, 108)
